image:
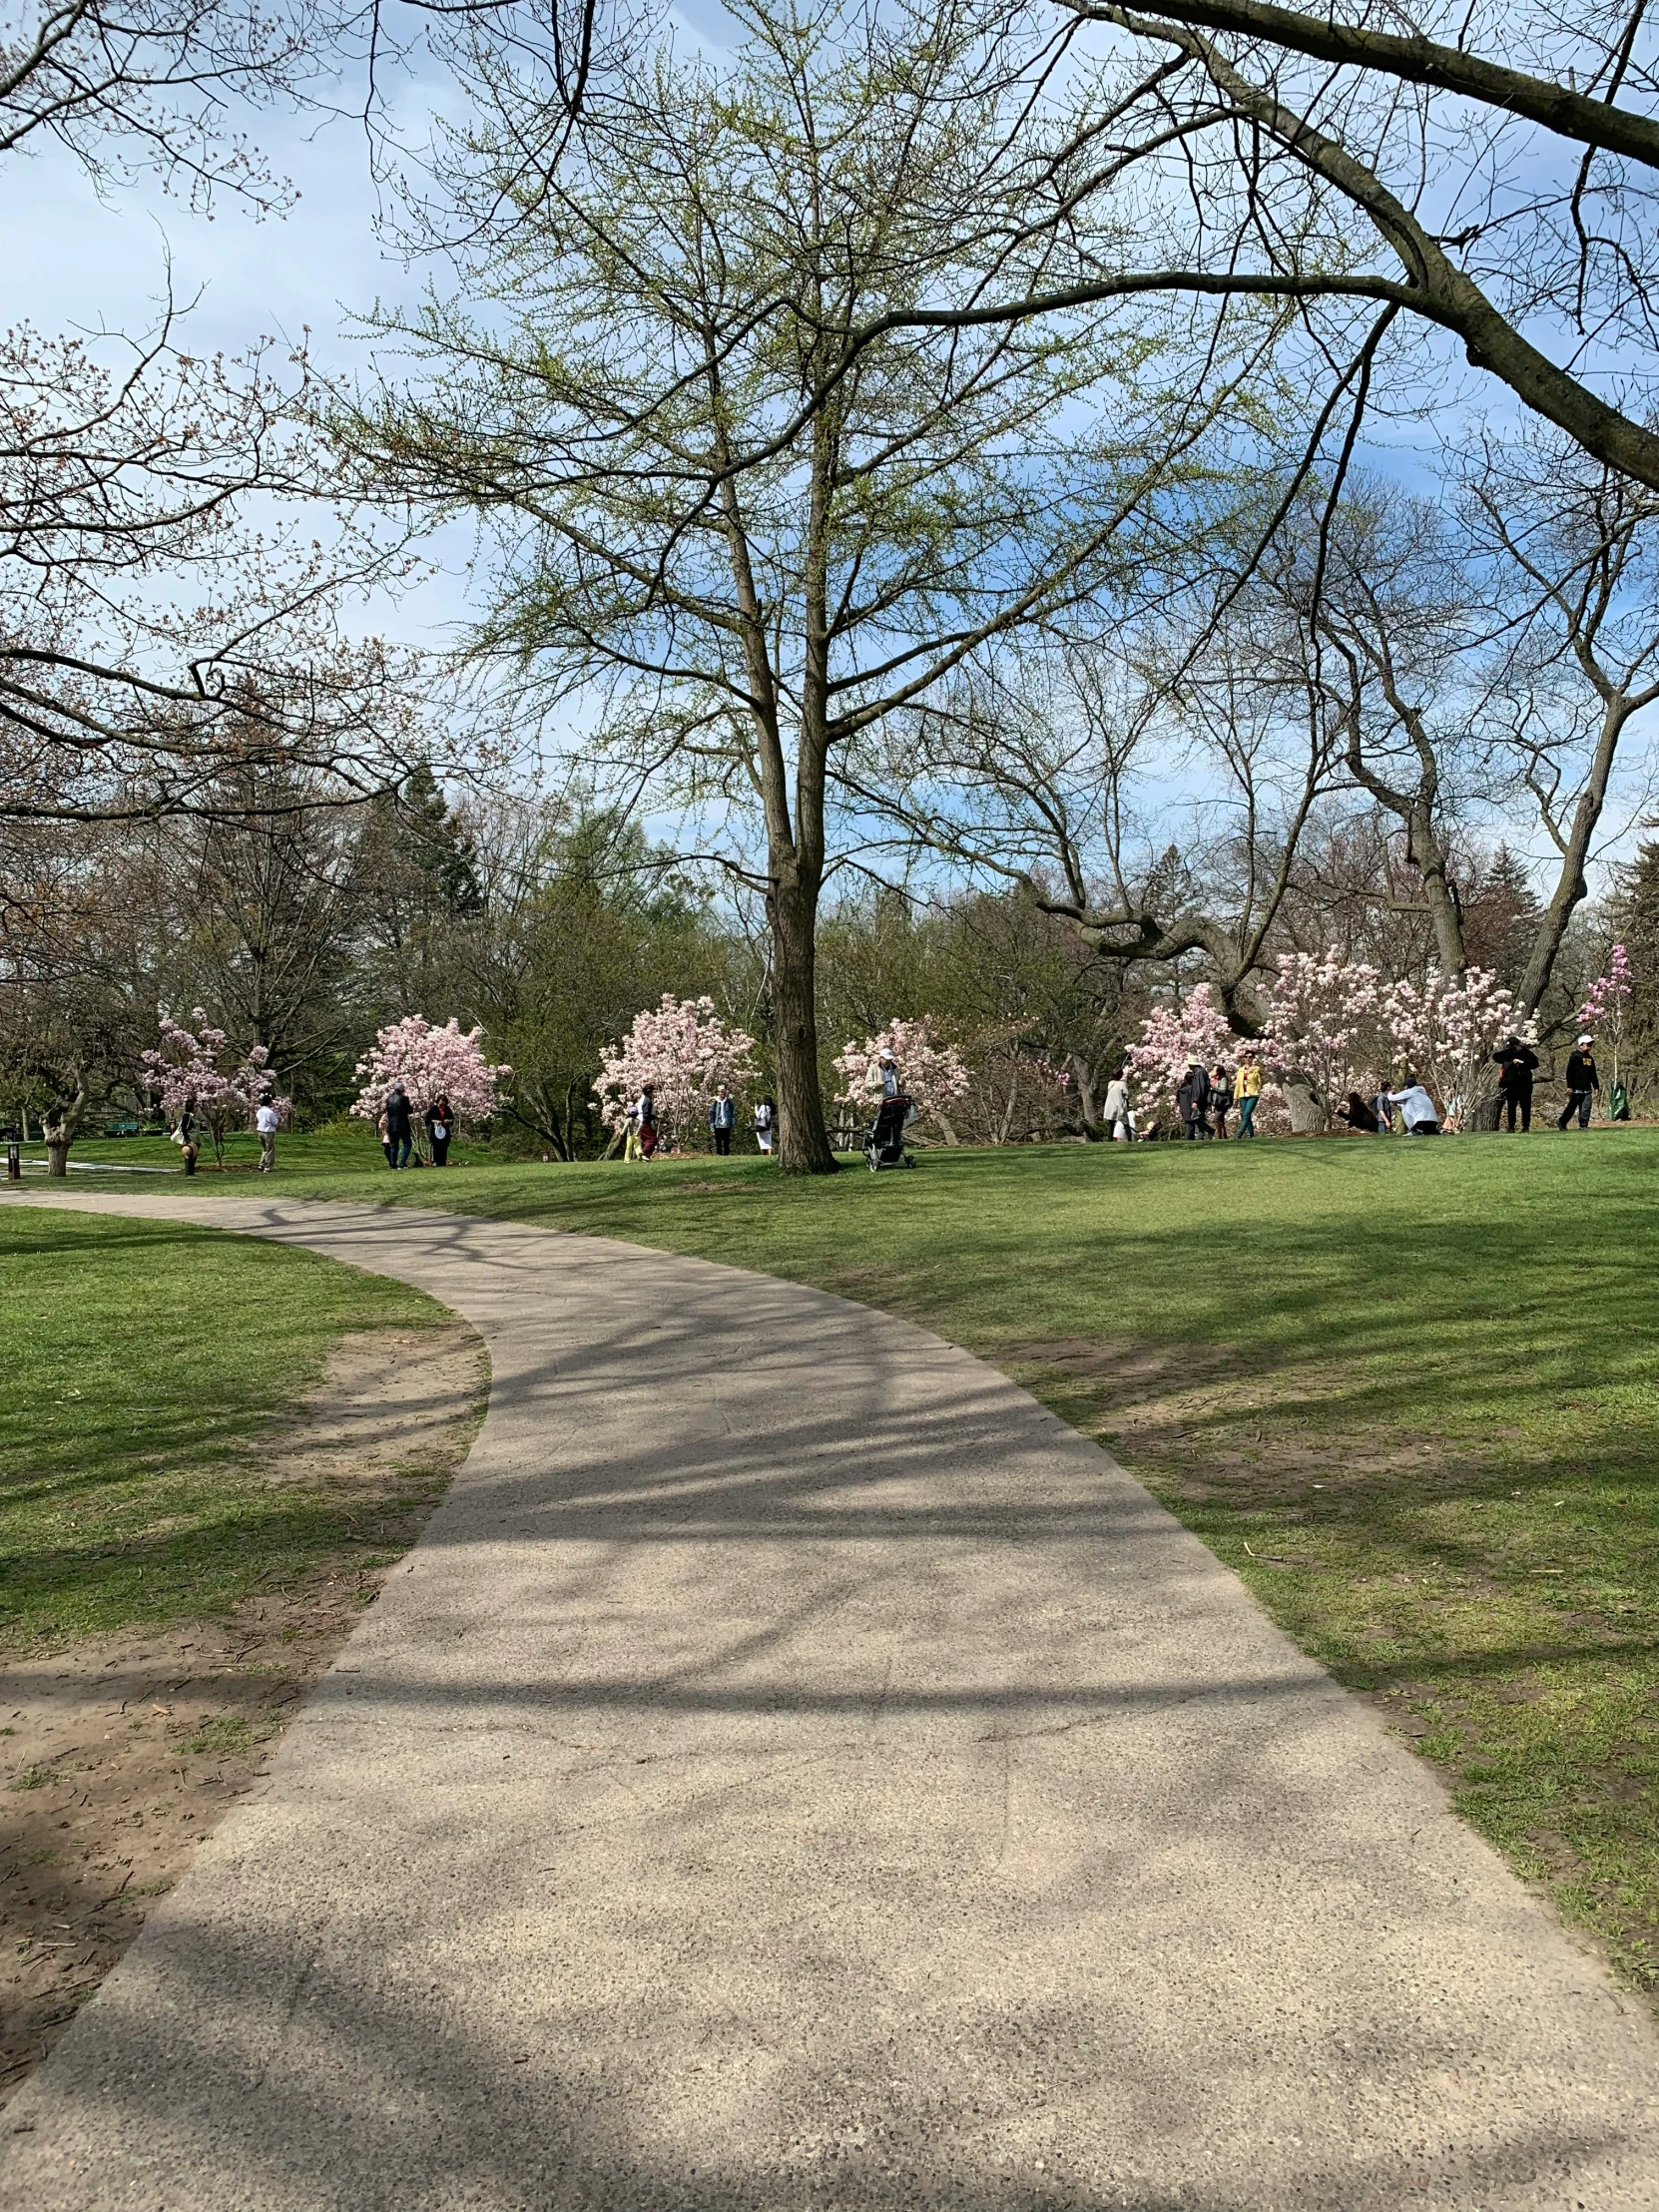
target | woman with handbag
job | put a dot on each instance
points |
(440, 1127)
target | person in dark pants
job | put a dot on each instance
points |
(440, 1127)
(399, 1127)
(1192, 1101)
(1582, 1084)
(1517, 1064)
(722, 1119)
(1221, 1097)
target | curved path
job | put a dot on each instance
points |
(794, 1769)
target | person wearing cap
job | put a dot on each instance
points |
(890, 1085)
(1582, 1084)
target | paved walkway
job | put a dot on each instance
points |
(794, 1771)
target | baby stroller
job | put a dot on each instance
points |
(885, 1140)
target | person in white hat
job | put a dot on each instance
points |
(1582, 1083)
(891, 1084)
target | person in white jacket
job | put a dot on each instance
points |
(264, 1121)
(1417, 1109)
(1117, 1108)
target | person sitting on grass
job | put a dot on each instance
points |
(1359, 1116)
(1417, 1109)
(1247, 1093)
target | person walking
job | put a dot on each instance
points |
(1221, 1097)
(264, 1121)
(766, 1121)
(644, 1116)
(1246, 1092)
(1417, 1109)
(185, 1135)
(1192, 1101)
(1582, 1083)
(1117, 1107)
(440, 1127)
(722, 1119)
(399, 1127)
(891, 1086)
(1517, 1064)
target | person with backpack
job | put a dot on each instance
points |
(1221, 1097)
(722, 1119)
(1582, 1083)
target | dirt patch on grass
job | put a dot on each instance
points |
(119, 1756)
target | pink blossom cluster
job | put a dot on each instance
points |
(430, 1064)
(1446, 1032)
(1322, 1024)
(190, 1067)
(1603, 1006)
(686, 1052)
(930, 1071)
(1175, 1035)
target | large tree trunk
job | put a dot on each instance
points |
(1570, 883)
(803, 1139)
(58, 1126)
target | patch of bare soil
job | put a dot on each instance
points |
(118, 1757)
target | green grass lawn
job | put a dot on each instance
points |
(1407, 1390)
(139, 1360)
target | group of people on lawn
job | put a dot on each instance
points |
(1206, 1096)
(396, 1128)
(723, 1121)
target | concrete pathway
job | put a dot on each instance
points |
(793, 1771)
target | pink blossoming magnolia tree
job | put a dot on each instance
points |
(1446, 1032)
(1323, 1035)
(930, 1072)
(686, 1052)
(1174, 1035)
(1603, 1006)
(194, 1068)
(430, 1063)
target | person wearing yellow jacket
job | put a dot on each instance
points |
(1247, 1089)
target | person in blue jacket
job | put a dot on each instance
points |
(722, 1119)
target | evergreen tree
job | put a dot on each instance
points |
(1633, 911)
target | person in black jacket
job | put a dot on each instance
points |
(1517, 1064)
(399, 1126)
(1582, 1084)
(1192, 1101)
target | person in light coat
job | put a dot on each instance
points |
(1117, 1108)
